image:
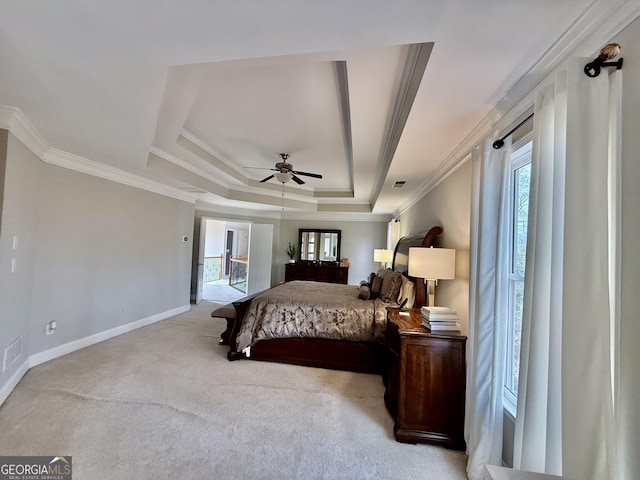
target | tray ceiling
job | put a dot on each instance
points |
(200, 98)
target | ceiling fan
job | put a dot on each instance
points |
(286, 172)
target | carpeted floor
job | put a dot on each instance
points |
(163, 402)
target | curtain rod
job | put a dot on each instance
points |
(498, 144)
(591, 69)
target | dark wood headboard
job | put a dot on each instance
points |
(401, 257)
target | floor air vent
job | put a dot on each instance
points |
(12, 353)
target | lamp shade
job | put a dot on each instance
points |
(432, 263)
(382, 255)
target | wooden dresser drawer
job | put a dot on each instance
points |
(316, 272)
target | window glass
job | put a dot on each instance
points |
(521, 215)
(519, 187)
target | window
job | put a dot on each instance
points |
(520, 176)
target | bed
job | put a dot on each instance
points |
(320, 324)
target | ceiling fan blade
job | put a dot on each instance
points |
(299, 181)
(262, 168)
(268, 178)
(314, 175)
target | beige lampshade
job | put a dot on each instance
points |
(432, 263)
(382, 255)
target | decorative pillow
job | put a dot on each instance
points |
(375, 287)
(408, 291)
(391, 283)
(371, 277)
(365, 291)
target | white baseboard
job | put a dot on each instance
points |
(60, 350)
(8, 387)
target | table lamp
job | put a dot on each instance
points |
(432, 264)
(383, 256)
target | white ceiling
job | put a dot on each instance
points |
(190, 93)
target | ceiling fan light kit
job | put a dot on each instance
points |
(286, 172)
(283, 177)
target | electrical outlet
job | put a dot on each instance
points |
(50, 328)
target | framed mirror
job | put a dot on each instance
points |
(319, 245)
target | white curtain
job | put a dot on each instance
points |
(487, 308)
(564, 421)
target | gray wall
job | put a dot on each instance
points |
(23, 173)
(4, 138)
(358, 240)
(448, 205)
(92, 254)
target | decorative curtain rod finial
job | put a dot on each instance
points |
(608, 52)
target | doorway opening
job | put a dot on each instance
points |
(226, 249)
(232, 259)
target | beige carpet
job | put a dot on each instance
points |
(163, 402)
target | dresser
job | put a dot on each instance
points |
(424, 374)
(329, 272)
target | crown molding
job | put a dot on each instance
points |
(235, 213)
(60, 158)
(345, 115)
(336, 193)
(206, 152)
(593, 29)
(12, 119)
(178, 162)
(255, 216)
(337, 217)
(413, 71)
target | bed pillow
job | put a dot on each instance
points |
(365, 291)
(408, 291)
(391, 283)
(376, 284)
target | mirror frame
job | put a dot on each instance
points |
(301, 231)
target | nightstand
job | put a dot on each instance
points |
(425, 381)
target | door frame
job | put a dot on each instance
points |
(198, 266)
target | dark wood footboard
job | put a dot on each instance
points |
(312, 352)
(364, 357)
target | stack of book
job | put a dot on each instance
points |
(438, 319)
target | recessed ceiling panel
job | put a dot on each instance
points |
(250, 115)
